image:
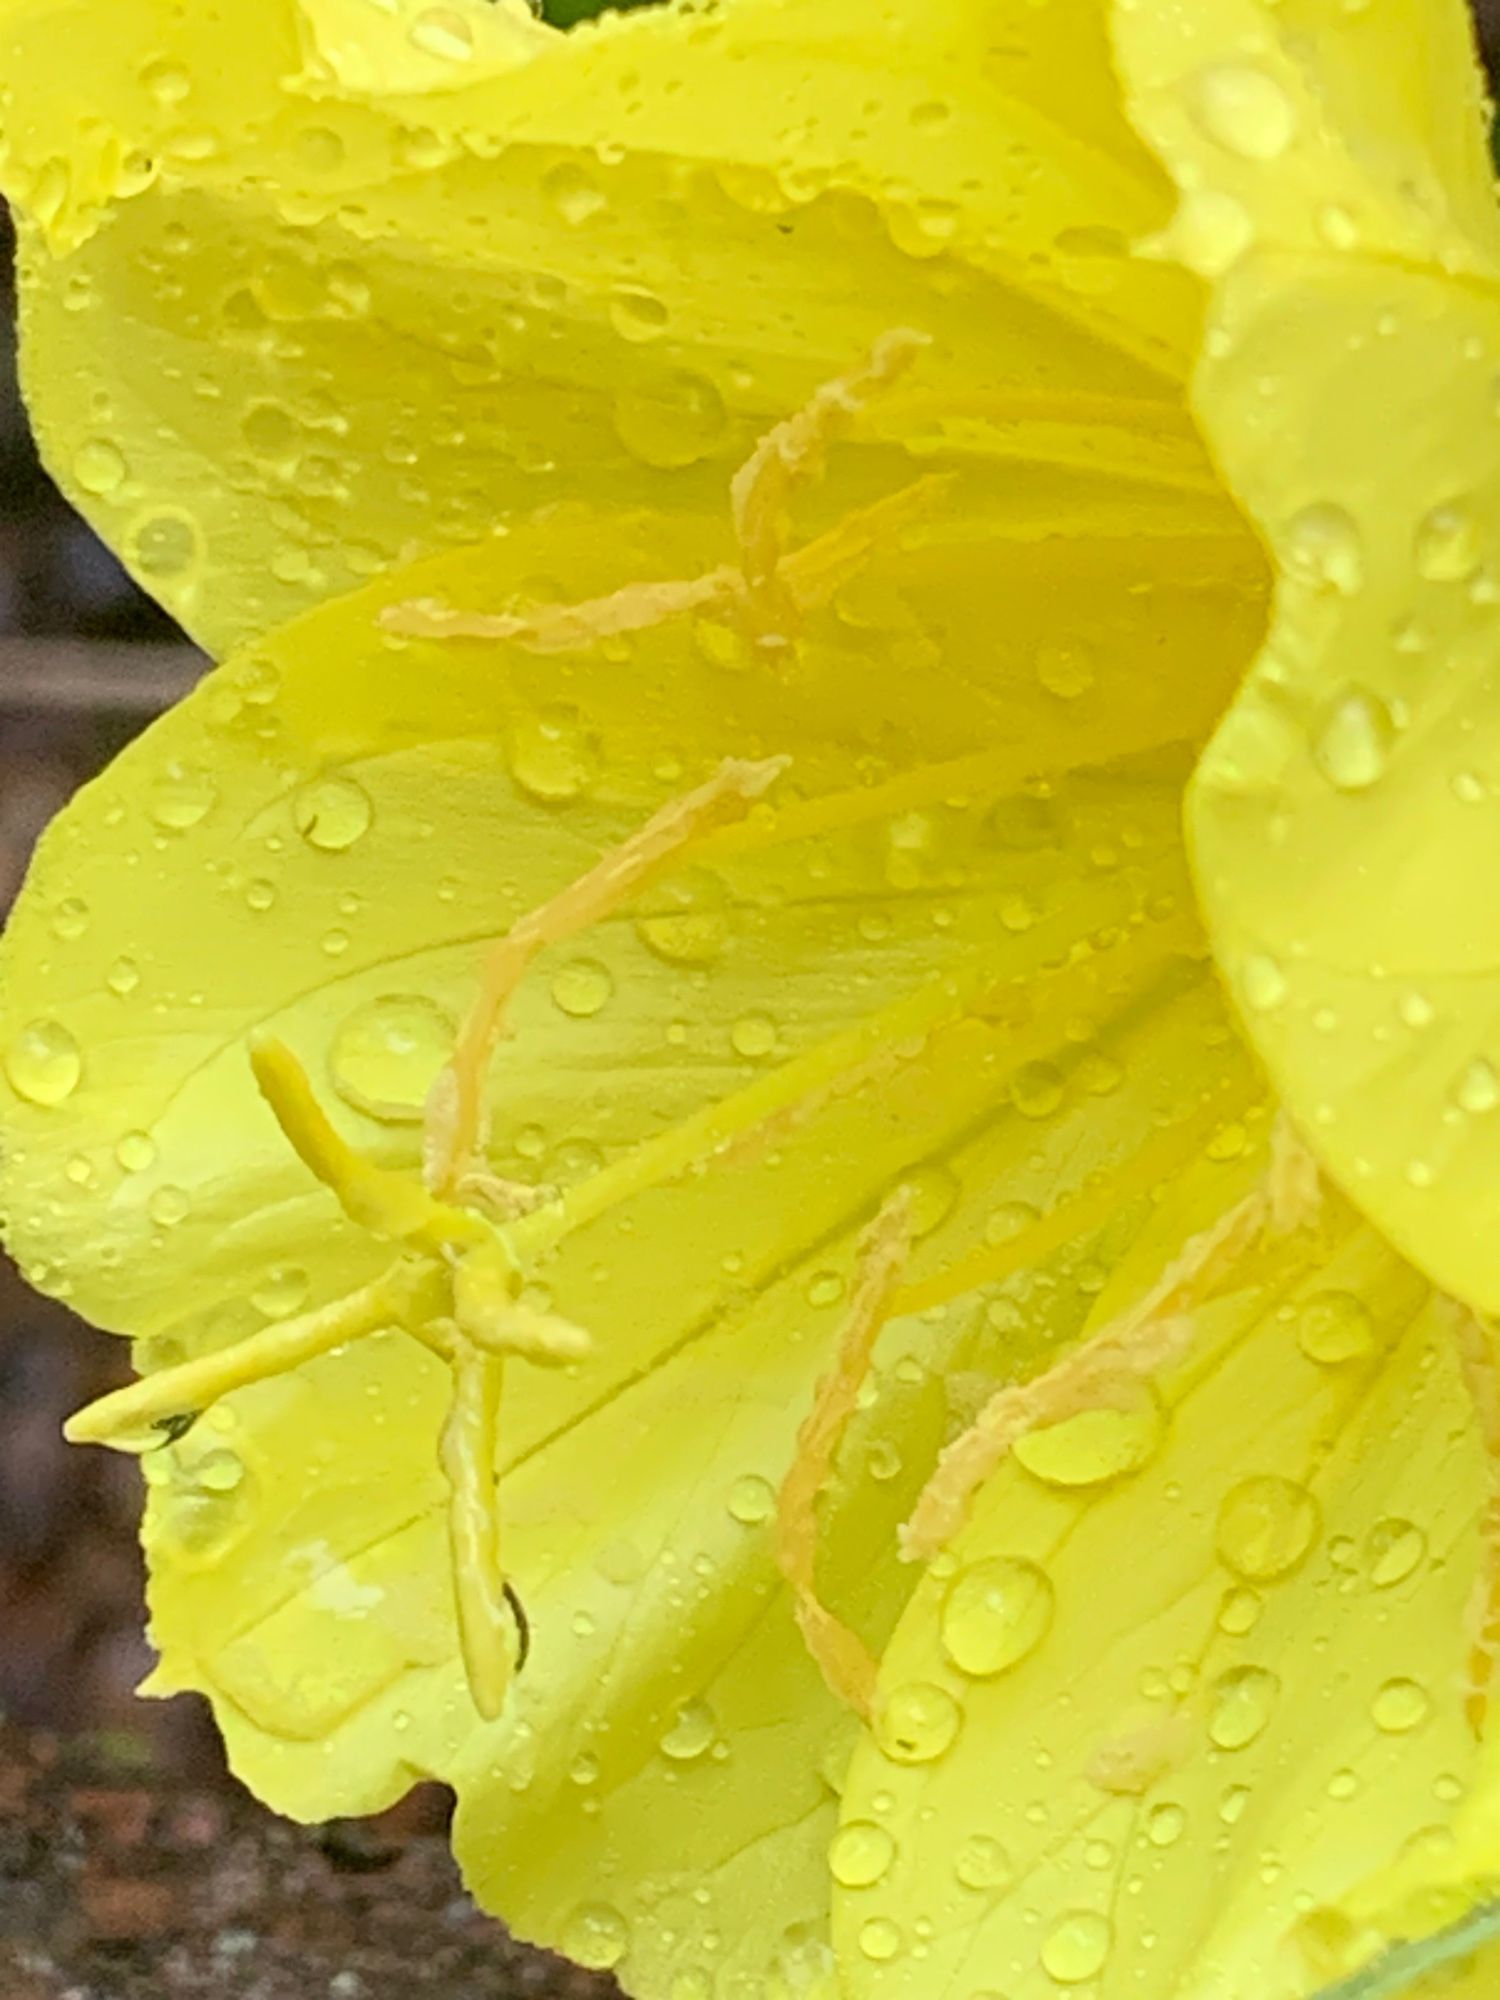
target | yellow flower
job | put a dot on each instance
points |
(680, 879)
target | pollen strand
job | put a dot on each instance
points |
(455, 1119)
(1141, 1342)
(842, 1657)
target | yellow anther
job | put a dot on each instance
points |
(394, 1206)
(842, 1657)
(136, 1417)
(455, 1110)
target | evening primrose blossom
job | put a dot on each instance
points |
(679, 1130)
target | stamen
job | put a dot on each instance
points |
(567, 628)
(133, 1418)
(1294, 1184)
(393, 1206)
(1140, 1343)
(841, 1655)
(1481, 1371)
(489, 1314)
(455, 1109)
(790, 455)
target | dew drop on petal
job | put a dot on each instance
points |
(1263, 983)
(1240, 1705)
(1393, 1550)
(880, 1939)
(1118, 1437)
(1478, 1088)
(995, 1613)
(281, 1292)
(1077, 1947)
(751, 1500)
(168, 1206)
(99, 467)
(135, 1152)
(1447, 547)
(1334, 1327)
(581, 988)
(182, 796)
(981, 1863)
(70, 919)
(387, 1053)
(917, 1723)
(442, 32)
(671, 420)
(753, 1036)
(1323, 547)
(685, 919)
(595, 1935)
(1354, 740)
(1400, 1706)
(332, 813)
(551, 758)
(44, 1063)
(1245, 111)
(860, 1853)
(693, 1732)
(1266, 1527)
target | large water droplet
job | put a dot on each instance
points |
(917, 1723)
(880, 1939)
(164, 546)
(44, 1063)
(386, 1055)
(694, 1732)
(1266, 1527)
(753, 1036)
(1334, 1327)
(332, 813)
(751, 1500)
(581, 988)
(685, 918)
(1324, 548)
(672, 420)
(981, 1863)
(1077, 1947)
(442, 32)
(994, 1613)
(1245, 111)
(1240, 1706)
(1354, 740)
(281, 1292)
(551, 757)
(1400, 1706)
(1393, 1550)
(637, 315)
(860, 1853)
(181, 796)
(596, 1935)
(1116, 1438)
(99, 467)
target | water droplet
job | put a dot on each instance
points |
(1266, 1527)
(386, 1055)
(1028, 823)
(167, 1207)
(932, 1193)
(917, 1723)
(581, 988)
(1240, 1706)
(135, 1152)
(1478, 1089)
(332, 813)
(181, 796)
(1354, 740)
(637, 315)
(1076, 1947)
(551, 758)
(596, 1935)
(1393, 1550)
(163, 547)
(1334, 1327)
(573, 193)
(981, 1863)
(691, 1734)
(753, 1036)
(260, 894)
(1036, 1089)
(751, 1500)
(995, 1613)
(442, 32)
(44, 1063)
(1447, 546)
(123, 977)
(281, 1292)
(672, 420)
(1164, 1825)
(860, 1853)
(1245, 111)
(1211, 231)
(71, 918)
(168, 82)
(1066, 670)
(1400, 1706)
(685, 919)
(1263, 983)
(880, 1939)
(99, 467)
(206, 1504)
(1108, 1442)
(1323, 548)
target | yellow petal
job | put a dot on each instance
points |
(1340, 818)
(302, 299)
(1222, 1687)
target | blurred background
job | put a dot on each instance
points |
(85, 661)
